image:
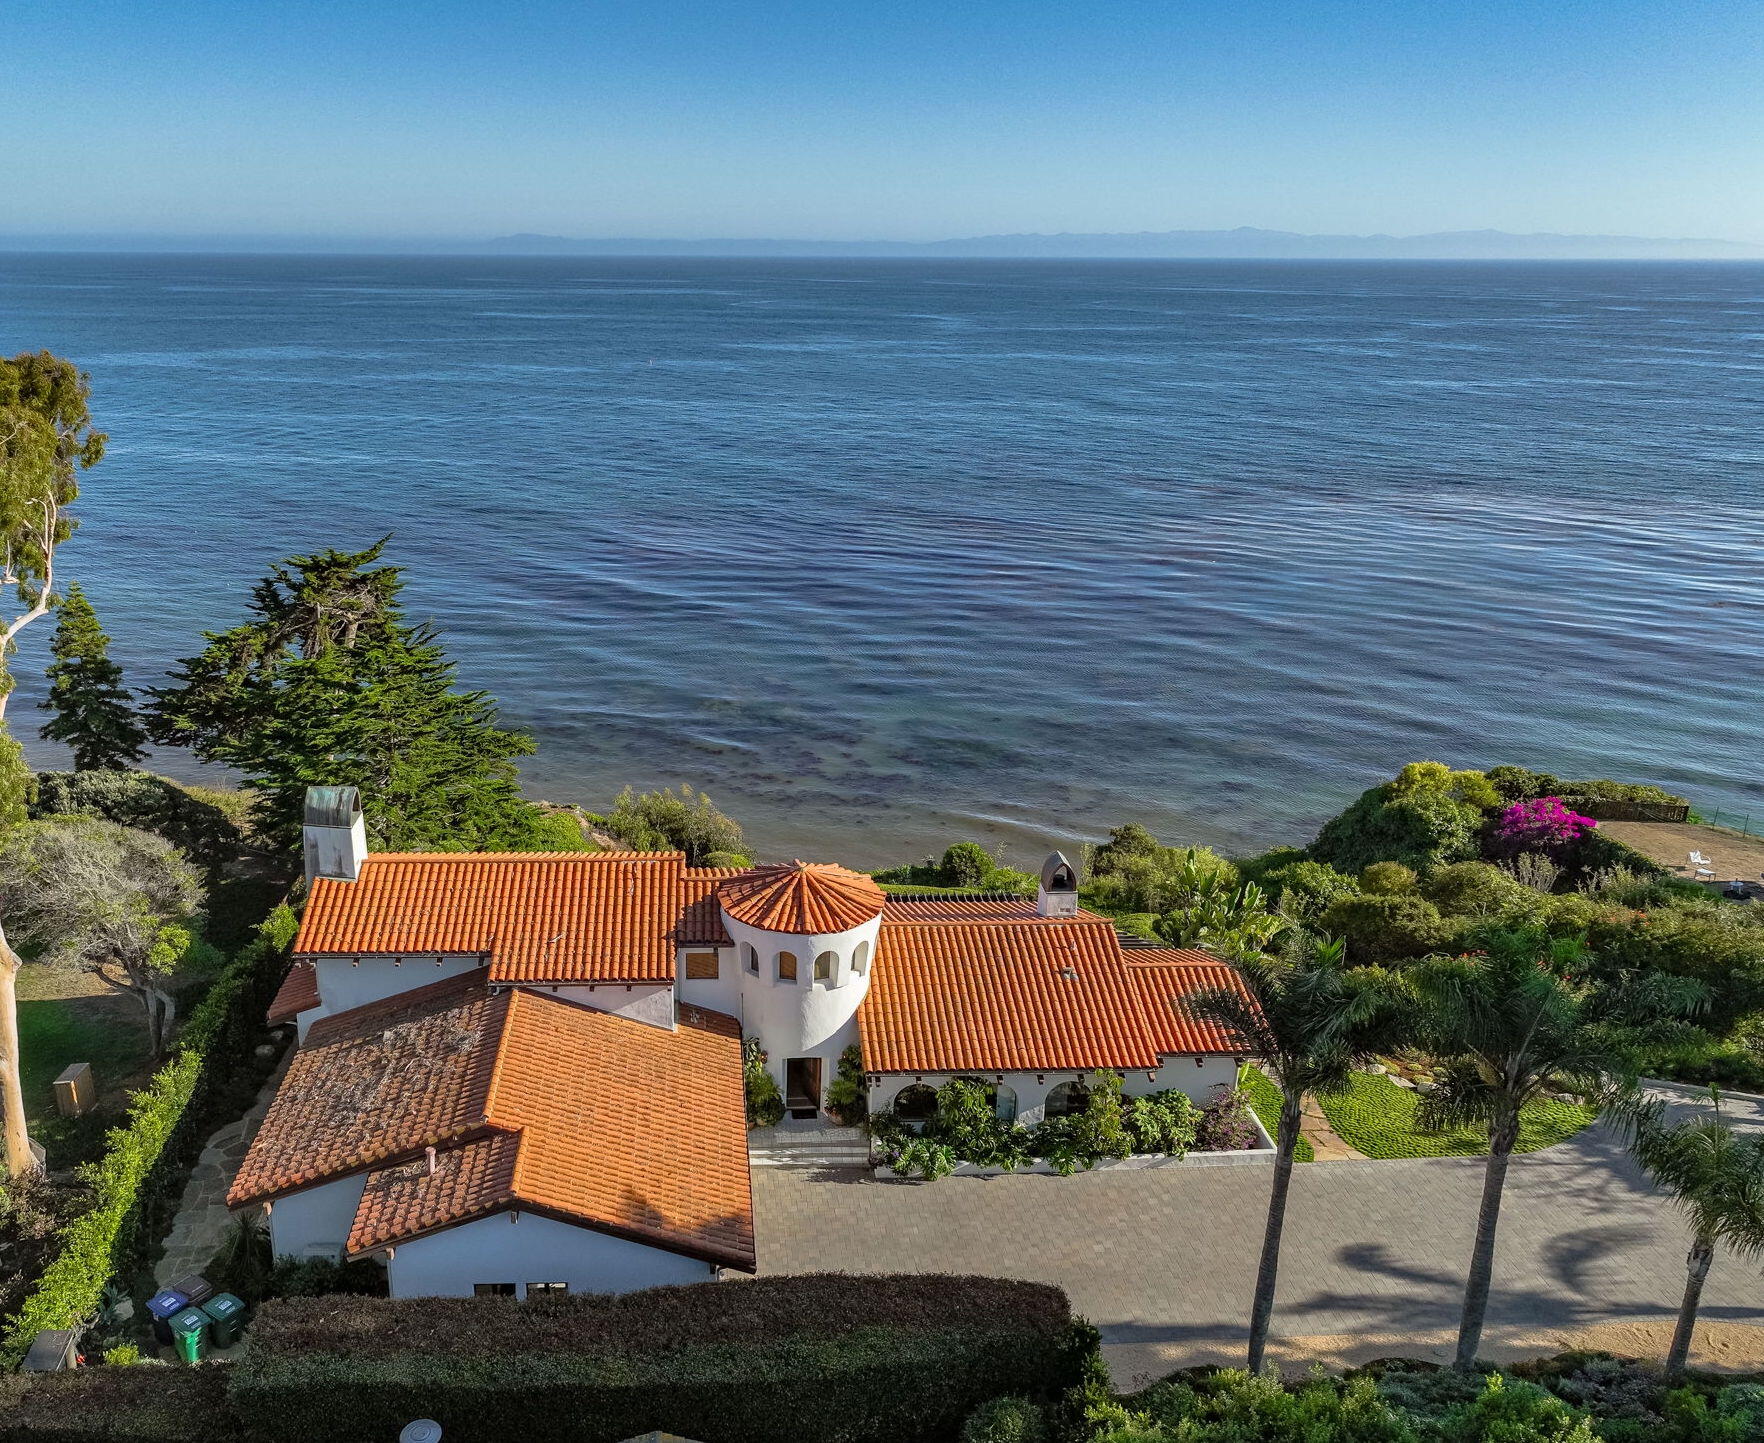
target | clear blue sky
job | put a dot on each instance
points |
(914, 119)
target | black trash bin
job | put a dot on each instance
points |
(195, 1287)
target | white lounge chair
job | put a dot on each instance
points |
(1702, 866)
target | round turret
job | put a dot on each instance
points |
(805, 936)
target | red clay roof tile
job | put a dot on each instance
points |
(801, 897)
(538, 916)
(299, 991)
(531, 1101)
(1163, 977)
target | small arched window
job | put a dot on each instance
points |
(787, 966)
(826, 966)
(860, 958)
(750, 957)
(1004, 1103)
(1066, 1099)
(917, 1103)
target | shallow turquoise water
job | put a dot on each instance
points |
(887, 553)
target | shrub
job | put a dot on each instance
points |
(665, 821)
(324, 1277)
(1007, 1420)
(116, 1405)
(208, 825)
(1387, 879)
(1385, 929)
(865, 1359)
(848, 1095)
(136, 1184)
(1542, 824)
(123, 1355)
(1163, 1122)
(1225, 1124)
(1105, 1129)
(1304, 890)
(1424, 818)
(1474, 889)
(765, 1102)
(729, 861)
(557, 831)
(1134, 872)
(964, 865)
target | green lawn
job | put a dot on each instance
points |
(107, 1030)
(1378, 1117)
(1264, 1098)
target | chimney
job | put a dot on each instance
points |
(1058, 894)
(334, 838)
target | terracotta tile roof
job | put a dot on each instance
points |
(1001, 996)
(967, 909)
(701, 919)
(801, 897)
(373, 1083)
(1163, 976)
(531, 1102)
(538, 916)
(298, 992)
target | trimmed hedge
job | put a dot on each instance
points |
(861, 1359)
(143, 1404)
(137, 1182)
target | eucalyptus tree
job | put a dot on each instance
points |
(1517, 1018)
(1715, 1177)
(46, 440)
(1310, 1019)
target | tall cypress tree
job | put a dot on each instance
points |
(94, 713)
(327, 683)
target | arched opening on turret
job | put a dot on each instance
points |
(827, 967)
(786, 966)
(860, 958)
(750, 957)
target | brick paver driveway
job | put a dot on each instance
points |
(1163, 1261)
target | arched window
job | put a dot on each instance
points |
(1004, 1103)
(787, 966)
(826, 966)
(917, 1103)
(1066, 1099)
(860, 959)
(750, 957)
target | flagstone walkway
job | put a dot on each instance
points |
(202, 1221)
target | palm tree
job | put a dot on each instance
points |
(1309, 1019)
(1716, 1179)
(1515, 1019)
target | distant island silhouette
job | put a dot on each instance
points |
(1243, 243)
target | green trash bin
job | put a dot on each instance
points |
(226, 1317)
(190, 1333)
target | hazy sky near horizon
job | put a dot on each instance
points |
(915, 120)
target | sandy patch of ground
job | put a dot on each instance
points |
(1731, 854)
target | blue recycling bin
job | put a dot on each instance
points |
(162, 1307)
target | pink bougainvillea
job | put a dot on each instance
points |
(1541, 825)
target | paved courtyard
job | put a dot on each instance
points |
(1163, 1261)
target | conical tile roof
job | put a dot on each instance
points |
(802, 898)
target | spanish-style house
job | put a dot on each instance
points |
(522, 1072)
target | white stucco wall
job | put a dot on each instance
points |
(720, 995)
(532, 1249)
(651, 1004)
(1032, 1088)
(804, 1018)
(316, 1219)
(1180, 1072)
(344, 983)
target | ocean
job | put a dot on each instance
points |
(887, 554)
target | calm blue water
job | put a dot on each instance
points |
(887, 553)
